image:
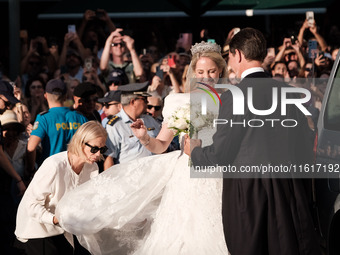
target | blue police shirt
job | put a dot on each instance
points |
(55, 129)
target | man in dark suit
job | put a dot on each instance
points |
(260, 215)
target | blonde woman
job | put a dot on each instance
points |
(151, 205)
(37, 226)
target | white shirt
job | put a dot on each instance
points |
(53, 179)
(251, 70)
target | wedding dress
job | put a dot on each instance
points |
(149, 206)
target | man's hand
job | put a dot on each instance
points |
(129, 42)
(22, 188)
(190, 144)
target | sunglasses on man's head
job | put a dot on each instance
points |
(157, 107)
(117, 44)
(95, 149)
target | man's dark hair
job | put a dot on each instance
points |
(278, 62)
(251, 42)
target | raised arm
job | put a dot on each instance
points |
(104, 60)
(137, 65)
(155, 145)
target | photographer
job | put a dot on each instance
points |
(313, 29)
(90, 74)
(112, 58)
(290, 51)
(92, 30)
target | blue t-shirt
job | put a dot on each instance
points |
(56, 128)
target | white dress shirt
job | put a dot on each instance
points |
(53, 179)
(251, 70)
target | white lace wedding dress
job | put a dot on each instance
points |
(148, 206)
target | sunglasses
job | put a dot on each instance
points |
(95, 149)
(107, 105)
(142, 98)
(116, 44)
(157, 107)
(308, 69)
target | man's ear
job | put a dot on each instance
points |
(239, 55)
(132, 101)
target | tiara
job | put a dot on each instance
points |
(205, 47)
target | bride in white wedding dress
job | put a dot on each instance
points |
(151, 206)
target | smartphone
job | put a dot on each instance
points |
(159, 72)
(310, 18)
(88, 64)
(312, 48)
(271, 52)
(71, 28)
(172, 61)
(322, 54)
(293, 39)
(211, 40)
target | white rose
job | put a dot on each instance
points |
(181, 124)
(198, 122)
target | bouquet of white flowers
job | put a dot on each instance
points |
(200, 121)
(180, 120)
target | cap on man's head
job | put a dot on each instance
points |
(135, 88)
(6, 89)
(84, 90)
(118, 77)
(56, 87)
(113, 95)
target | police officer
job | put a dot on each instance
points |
(55, 127)
(111, 105)
(123, 145)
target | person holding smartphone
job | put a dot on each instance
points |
(116, 46)
(313, 29)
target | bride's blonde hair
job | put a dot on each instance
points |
(204, 49)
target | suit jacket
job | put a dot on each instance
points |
(240, 146)
(262, 216)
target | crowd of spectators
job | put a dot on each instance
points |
(97, 62)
